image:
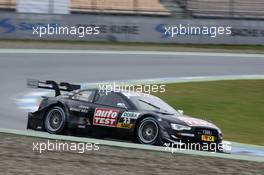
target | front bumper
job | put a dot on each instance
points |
(195, 135)
(192, 139)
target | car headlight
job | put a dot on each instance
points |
(180, 127)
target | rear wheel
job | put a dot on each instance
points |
(148, 131)
(55, 120)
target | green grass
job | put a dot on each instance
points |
(237, 107)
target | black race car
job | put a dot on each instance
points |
(131, 115)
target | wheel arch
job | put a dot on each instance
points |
(142, 118)
(57, 103)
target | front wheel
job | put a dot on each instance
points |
(148, 131)
(55, 120)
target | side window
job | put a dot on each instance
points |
(84, 96)
(111, 99)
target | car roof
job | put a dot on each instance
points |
(124, 92)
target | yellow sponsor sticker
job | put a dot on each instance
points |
(208, 138)
(124, 125)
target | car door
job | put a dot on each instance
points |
(81, 104)
(108, 109)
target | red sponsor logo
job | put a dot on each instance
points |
(105, 117)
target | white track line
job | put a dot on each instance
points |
(106, 52)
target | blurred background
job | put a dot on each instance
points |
(241, 9)
(136, 20)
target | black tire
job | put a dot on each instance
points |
(55, 120)
(148, 131)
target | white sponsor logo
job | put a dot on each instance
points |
(195, 122)
(105, 117)
(130, 114)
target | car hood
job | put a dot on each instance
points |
(189, 121)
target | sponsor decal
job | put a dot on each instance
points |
(247, 32)
(74, 109)
(125, 119)
(81, 108)
(160, 28)
(208, 138)
(105, 117)
(84, 107)
(9, 26)
(124, 125)
(130, 114)
(196, 122)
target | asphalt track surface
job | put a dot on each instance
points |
(16, 68)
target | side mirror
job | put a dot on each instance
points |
(72, 97)
(121, 105)
(181, 112)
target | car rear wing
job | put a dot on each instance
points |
(50, 84)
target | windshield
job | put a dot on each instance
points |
(150, 102)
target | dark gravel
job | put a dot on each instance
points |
(17, 157)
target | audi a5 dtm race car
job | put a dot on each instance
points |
(136, 116)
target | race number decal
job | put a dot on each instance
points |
(125, 119)
(105, 117)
